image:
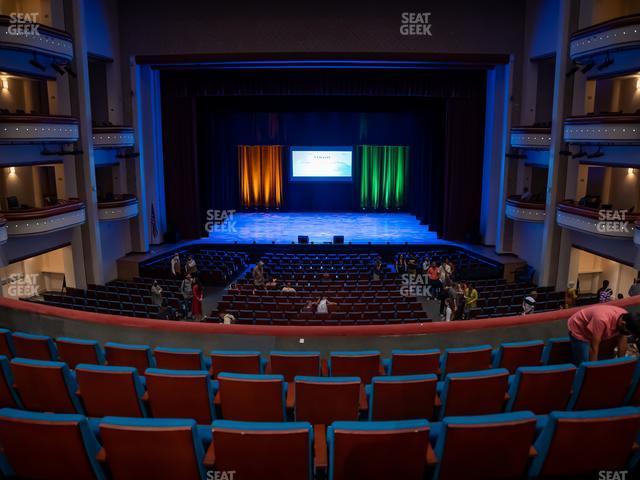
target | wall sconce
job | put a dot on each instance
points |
(12, 171)
(5, 83)
(638, 84)
(631, 171)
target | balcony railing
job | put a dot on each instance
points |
(620, 129)
(530, 137)
(37, 221)
(23, 128)
(619, 35)
(113, 137)
(521, 211)
(601, 222)
(120, 208)
(35, 38)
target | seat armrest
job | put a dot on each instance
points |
(431, 458)
(267, 368)
(320, 447)
(209, 460)
(291, 395)
(324, 368)
(145, 397)
(363, 403)
(216, 400)
(101, 456)
(437, 402)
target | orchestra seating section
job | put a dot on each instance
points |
(215, 267)
(497, 298)
(116, 406)
(132, 299)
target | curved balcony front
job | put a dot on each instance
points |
(20, 34)
(615, 224)
(623, 129)
(120, 208)
(113, 137)
(38, 221)
(617, 39)
(25, 129)
(531, 138)
(521, 211)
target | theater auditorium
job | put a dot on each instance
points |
(319, 241)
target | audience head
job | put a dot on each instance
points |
(605, 283)
(629, 324)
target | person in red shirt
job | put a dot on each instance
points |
(589, 327)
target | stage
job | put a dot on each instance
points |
(357, 228)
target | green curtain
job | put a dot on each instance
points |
(383, 170)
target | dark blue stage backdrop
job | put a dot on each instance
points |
(323, 122)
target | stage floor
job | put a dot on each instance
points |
(281, 227)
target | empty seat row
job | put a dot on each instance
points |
(99, 390)
(511, 445)
(364, 364)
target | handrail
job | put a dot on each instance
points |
(113, 129)
(516, 202)
(608, 118)
(570, 206)
(63, 206)
(36, 118)
(51, 31)
(124, 200)
(607, 25)
(304, 331)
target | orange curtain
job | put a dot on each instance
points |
(260, 175)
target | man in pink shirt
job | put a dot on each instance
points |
(589, 327)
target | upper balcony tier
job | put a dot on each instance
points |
(531, 137)
(521, 211)
(37, 221)
(619, 39)
(610, 129)
(17, 34)
(121, 207)
(23, 128)
(113, 137)
(604, 223)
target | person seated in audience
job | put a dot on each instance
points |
(448, 292)
(377, 273)
(176, 266)
(288, 288)
(528, 305)
(324, 305)
(272, 284)
(634, 289)
(196, 303)
(186, 290)
(191, 267)
(591, 326)
(156, 294)
(526, 196)
(571, 295)
(309, 307)
(225, 317)
(605, 293)
(166, 312)
(400, 265)
(470, 299)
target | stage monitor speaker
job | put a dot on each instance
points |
(303, 239)
(338, 239)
